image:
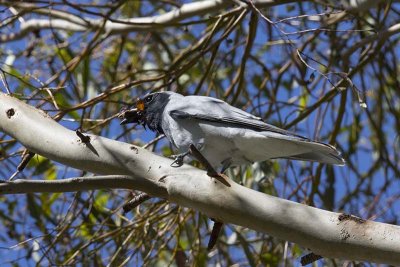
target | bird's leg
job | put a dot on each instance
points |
(179, 159)
(210, 169)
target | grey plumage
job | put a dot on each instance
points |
(224, 134)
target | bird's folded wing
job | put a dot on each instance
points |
(318, 151)
(238, 120)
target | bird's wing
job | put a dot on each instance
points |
(217, 111)
(213, 110)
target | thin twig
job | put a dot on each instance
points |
(214, 234)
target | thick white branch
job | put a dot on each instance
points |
(326, 233)
(69, 22)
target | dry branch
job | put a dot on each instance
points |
(64, 21)
(328, 234)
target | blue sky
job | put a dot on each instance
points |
(312, 127)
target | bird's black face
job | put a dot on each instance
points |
(148, 111)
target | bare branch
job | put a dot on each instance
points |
(360, 5)
(75, 184)
(326, 233)
(380, 37)
(63, 21)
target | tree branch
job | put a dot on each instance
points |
(328, 234)
(360, 5)
(379, 36)
(62, 21)
(23, 186)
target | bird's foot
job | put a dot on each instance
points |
(178, 159)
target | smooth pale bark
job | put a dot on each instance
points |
(328, 234)
(69, 22)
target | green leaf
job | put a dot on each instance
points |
(43, 165)
(303, 100)
(270, 259)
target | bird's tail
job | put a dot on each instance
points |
(320, 152)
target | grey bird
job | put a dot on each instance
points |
(226, 136)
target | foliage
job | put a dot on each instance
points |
(323, 71)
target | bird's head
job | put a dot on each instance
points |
(148, 110)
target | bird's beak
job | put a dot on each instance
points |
(123, 122)
(130, 116)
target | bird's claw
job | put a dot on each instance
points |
(178, 161)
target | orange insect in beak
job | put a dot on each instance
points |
(140, 105)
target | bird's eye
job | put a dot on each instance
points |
(148, 98)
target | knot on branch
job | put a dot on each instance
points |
(348, 217)
(10, 112)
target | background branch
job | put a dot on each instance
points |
(59, 20)
(326, 233)
(23, 186)
(291, 64)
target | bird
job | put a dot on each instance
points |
(225, 135)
